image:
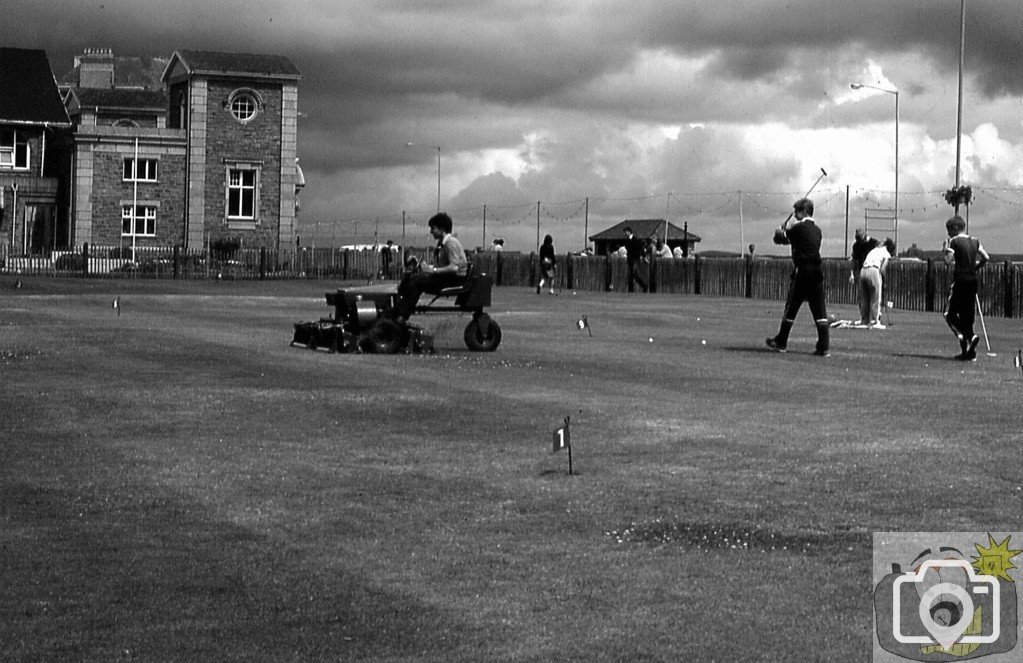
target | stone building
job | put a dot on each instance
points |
(204, 153)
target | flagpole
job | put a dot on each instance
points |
(134, 202)
(568, 438)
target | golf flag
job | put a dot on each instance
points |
(562, 438)
(584, 324)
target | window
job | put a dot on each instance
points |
(244, 105)
(241, 193)
(14, 150)
(141, 170)
(138, 220)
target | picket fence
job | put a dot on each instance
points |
(909, 284)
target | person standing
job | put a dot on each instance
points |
(872, 273)
(807, 281)
(635, 250)
(386, 257)
(548, 264)
(862, 245)
(968, 256)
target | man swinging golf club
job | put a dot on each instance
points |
(807, 282)
(968, 256)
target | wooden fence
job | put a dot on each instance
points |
(909, 284)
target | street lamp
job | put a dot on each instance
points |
(858, 86)
(959, 106)
(434, 147)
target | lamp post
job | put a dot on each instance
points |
(858, 86)
(434, 147)
(959, 106)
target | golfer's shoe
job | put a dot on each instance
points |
(822, 353)
(972, 347)
(773, 344)
(877, 325)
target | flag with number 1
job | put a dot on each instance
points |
(562, 438)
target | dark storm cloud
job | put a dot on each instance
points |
(476, 76)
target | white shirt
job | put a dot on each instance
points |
(876, 257)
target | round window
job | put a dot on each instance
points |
(244, 106)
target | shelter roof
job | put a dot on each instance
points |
(645, 228)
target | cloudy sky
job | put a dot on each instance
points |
(716, 114)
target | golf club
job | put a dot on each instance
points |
(984, 327)
(823, 174)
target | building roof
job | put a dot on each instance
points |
(214, 63)
(113, 98)
(130, 71)
(644, 228)
(28, 90)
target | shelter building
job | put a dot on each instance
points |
(608, 241)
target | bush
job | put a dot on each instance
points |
(73, 262)
(119, 253)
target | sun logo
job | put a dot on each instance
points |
(995, 560)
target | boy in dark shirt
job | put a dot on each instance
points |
(968, 256)
(807, 282)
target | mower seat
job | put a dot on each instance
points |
(455, 290)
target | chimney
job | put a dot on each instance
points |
(96, 68)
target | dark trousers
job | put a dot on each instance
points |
(962, 309)
(636, 269)
(806, 286)
(415, 284)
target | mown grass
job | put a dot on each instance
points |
(180, 484)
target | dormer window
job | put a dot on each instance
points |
(244, 105)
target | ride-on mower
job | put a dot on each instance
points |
(359, 323)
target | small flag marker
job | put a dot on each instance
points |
(117, 305)
(1018, 361)
(562, 439)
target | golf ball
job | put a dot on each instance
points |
(703, 342)
(651, 339)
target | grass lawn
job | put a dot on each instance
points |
(177, 483)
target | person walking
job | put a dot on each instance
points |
(968, 257)
(635, 250)
(548, 264)
(807, 281)
(862, 245)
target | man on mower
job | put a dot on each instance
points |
(449, 271)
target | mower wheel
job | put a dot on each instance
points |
(384, 336)
(482, 334)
